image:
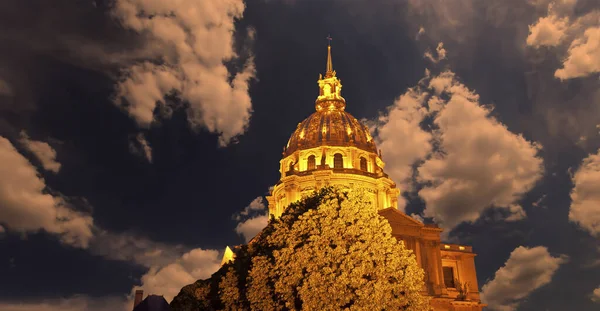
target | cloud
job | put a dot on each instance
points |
(249, 228)
(417, 217)
(135, 248)
(168, 280)
(170, 267)
(548, 31)
(440, 51)
(516, 213)
(141, 147)
(538, 203)
(526, 270)
(196, 39)
(252, 219)
(583, 56)
(43, 151)
(580, 34)
(75, 303)
(26, 207)
(257, 204)
(596, 295)
(166, 276)
(585, 196)
(479, 163)
(400, 138)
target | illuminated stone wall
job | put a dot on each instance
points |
(297, 180)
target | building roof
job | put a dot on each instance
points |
(330, 125)
(153, 303)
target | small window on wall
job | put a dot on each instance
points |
(312, 162)
(363, 164)
(338, 161)
(449, 277)
(291, 166)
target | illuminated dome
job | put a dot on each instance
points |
(330, 128)
(331, 148)
(330, 125)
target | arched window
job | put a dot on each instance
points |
(363, 164)
(291, 166)
(312, 162)
(338, 161)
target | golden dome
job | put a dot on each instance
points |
(330, 125)
(330, 128)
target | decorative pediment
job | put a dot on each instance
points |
(396, 217)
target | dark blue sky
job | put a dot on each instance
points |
(53, 57)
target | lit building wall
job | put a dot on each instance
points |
(297, 180)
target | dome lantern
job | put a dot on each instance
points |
(330, 88)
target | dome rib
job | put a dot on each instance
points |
(341, 129)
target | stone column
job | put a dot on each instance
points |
(380, 198)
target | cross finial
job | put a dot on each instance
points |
(329, 38)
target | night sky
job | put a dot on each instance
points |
(137, 137)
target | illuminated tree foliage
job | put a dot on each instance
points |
(330, 251)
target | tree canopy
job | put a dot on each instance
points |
(329, 251)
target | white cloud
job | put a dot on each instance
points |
(26, 207)
(596, 295)
(580, 34)
(141, 147)
(76, 303)
(583, 56)
(252, 219)
(170, 267)
(257, 204)
(195, 39)
(526, 270)
(43, 151)
(249, 228)
(585, 196)
(479, 163)
(400, 138)
(168, 280)
(440, 51)
(548, 31)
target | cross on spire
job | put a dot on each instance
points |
(329, 38)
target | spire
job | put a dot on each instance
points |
(329, 71)
(330, 87)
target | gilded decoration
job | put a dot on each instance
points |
(330, 125)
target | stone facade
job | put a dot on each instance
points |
(331, 147)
